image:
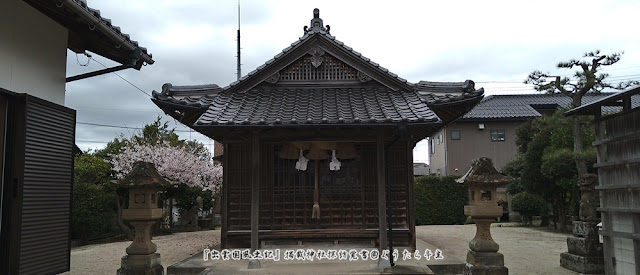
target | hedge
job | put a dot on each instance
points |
(440, 200)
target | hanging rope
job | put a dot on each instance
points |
(315, 213)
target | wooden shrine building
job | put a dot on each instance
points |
(317, 141)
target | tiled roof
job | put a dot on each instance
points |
(107, 22)
(322, 106)
(603, 105)
(257, 100)
(89, 30)
(307, 35)
(523, 106)
(443, 92)
(194, 96)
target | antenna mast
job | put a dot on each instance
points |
(239, 73)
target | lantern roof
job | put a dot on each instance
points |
(482, 172)
(143, 175)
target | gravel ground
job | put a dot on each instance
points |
(105, 258)
(526, 250)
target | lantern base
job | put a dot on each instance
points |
(483, 211)
(141, 264)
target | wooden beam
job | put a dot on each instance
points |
(382, 198)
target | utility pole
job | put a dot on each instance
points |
(239, 73)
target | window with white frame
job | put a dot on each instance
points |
(497, 135)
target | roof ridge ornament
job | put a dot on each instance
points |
(316, 24)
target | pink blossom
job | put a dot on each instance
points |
(176, 164)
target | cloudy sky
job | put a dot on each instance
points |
(494, 43)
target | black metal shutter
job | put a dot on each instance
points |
(46, 187)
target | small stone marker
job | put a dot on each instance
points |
(483, 179)
(143, 183)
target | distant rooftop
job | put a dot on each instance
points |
(520, 107)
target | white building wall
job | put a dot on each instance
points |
(33, 52)
(437, 153)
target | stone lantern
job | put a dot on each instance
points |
(483, 180)
(143, 183)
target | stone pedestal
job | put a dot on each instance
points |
(585, 250)
(143, 182)
(481, 263)
(141, 265)
(483, 179)
(483, 242)
(483, 258)
(142, 244)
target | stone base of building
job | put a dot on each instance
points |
(582, 264)
(481, 263)
(141, 265)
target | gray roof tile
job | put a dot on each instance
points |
(524, 106)
(311, 106)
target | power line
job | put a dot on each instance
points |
(121, 127)
(114, 109)
(105, 142)
(122, 78)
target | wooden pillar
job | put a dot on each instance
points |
(224, 197)
(255, 195)
(411, 198)
(382, 198)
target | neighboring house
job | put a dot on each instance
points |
(618, 148)
(489, 130)
(36, 131)
(420, 169)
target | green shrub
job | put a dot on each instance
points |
(528, 205)
(93, 212)
(440, 200)
(93, 204)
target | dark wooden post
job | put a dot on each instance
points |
(224, 215)
(255, 195)
(411, 199)
(382, 199)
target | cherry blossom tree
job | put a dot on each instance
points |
(177, 164)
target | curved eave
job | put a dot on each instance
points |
(451, 110)
(186, 114)
(418, 130)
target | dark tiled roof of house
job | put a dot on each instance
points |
(321, 106)
(89, 30)
(524, 106)
(604, 104)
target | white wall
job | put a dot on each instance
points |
(33, 52)
(437, 158)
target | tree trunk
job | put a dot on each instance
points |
(171, 212)
(562, 212)
(578, 147)
(123, 227)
